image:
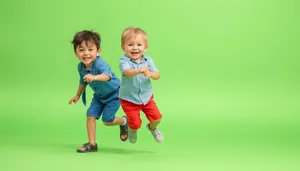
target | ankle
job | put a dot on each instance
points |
(124, 121)
(149, 126)
(132, 130)
(93, 143)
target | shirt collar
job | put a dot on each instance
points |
(144, 58)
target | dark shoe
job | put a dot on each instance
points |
(88, 147)
(124, 129)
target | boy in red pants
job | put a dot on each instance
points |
(136, 88)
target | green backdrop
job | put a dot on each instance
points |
(229, 88)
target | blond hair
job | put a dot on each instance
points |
(132, 31)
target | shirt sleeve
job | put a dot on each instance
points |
(151, 65)
(81, 81)
(124, 64)
(104, 68)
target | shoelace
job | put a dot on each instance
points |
(157, 132)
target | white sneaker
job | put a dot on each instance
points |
(132, 136)
(158, 136)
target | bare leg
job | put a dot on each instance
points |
(91, 130)
(153, 124)
(116, 121)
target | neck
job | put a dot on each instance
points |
(88, 66)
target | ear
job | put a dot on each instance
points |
(98, 51)
(122, 46)
(75, 52)
(146, 46)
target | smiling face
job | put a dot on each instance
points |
(87, 52)
(135, 46)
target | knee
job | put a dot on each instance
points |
(108, 120)
(134, 125)
(90, 118)
(107, 123)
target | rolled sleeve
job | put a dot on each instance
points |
(104, 69)
(151, 65)
(81, 81)
(124, 64)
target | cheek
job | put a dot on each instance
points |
(78, 54)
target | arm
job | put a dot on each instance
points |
(78, 94)
(155, 75)
(153, 71)
(126, 70)
(131, 72)
(101, 77)
(80, 90)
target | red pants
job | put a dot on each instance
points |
(133, 112)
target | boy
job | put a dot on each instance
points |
(96, 73)
(136, 89)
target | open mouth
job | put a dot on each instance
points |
(86, 59)
(134, 53)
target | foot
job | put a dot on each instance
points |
(88, 147)
(132, 136)
(124, 130)
(158, 136)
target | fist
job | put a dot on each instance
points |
(88, 78)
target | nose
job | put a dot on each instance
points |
(85, 52)
(135, 46)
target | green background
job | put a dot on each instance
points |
(229, 88)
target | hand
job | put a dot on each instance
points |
(143, 70)
(74, 100)
(147, 74)
(89, 78)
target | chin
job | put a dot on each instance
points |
(136, 57)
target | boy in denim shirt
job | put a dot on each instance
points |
(96, 73)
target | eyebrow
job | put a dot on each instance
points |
(91, 46)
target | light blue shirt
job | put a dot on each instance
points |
(102, 89)
(137, 89)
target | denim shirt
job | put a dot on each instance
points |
(102, 89)
(137, 89)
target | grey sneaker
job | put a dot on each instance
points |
(132, 136)
(158, 136)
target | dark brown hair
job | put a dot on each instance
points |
(87, 37)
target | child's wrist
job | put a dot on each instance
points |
(139, 71)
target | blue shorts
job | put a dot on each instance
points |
(106, 108)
